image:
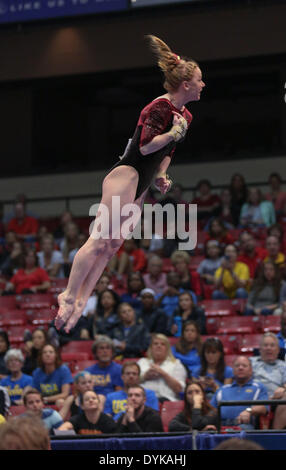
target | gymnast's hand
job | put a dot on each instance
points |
(179, 128)
(163, 183)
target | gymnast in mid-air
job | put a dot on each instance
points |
(162, 124)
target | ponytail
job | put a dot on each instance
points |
(174, 68)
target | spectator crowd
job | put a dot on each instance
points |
(147, 321)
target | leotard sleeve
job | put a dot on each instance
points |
(154, 120)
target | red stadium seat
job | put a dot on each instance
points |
(173, 340)
(32, 301)
(16, 333)
(58, 285)
(249, 343)
(78, 346)
(167, 265)
(42, 316)
(16, 410)
(82, 365)
(207, 290)
(229, 359)
(169, 410)
(195, 262)
(212, 324)
(238, 324)
(8, 302)
(201, 239)
(270, 323)
(218, 308)
(13, 318)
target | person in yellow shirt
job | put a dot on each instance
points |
(2, 420)
(274, 253)
(232, 277)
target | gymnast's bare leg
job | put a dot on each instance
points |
(96, 271)
(95, 253)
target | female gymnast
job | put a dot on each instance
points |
(162, 123)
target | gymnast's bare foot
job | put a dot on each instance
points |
(77, 312)
(66, 307)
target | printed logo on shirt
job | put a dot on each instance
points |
(249, 390)
(118, 406)
(49, 389)
(101, 379)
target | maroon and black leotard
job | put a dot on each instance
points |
(155, 119)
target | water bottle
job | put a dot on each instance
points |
(178, 322)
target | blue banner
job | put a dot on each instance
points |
(147, 3)
(17, 11)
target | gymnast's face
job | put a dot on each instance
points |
(194, 86)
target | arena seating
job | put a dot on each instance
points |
(169, 410)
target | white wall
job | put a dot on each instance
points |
(89, 183)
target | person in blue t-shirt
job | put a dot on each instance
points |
(282, 334)
(213, 372)
(188, 348)
(16, 381)
(244, 387)
(116, 402)
(169, 300)
(106, 373)
(53, 379)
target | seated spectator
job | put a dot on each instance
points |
(274, 253)
(105, 372)
(14, 259)
(138, 417)
(103, 283)
(129, 258)
(239, 194)
(50, 259)
(5, 402)
(135, 284)
(5, 251)
(255, 212)
(25, 226)
(52, 378)
(30, 279)
(250, 254)
(2, 226)
(244, 387)
(16, 382)
(190, 280)
(264, 295)
(211, 263)
(4, 347)
(116, 402)
(209, 204)
(213, 372)
(187, 311)
(105, 317)
(217, 231)
(154, 318)
(232, 278)
(161, 371)
(35, 407)
(197, 412)
(91, 420)
(276, 195)
(83, 382)
(282, 334)
(24, 433)
(154, 278)
(188, 348)
(169, 301)
(69, 245)
(130, 336)
(33, 346)
(225, 214)
(65, 218)
(271, 371)
(277, 231)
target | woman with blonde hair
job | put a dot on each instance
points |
(162, 124)
(161, 371)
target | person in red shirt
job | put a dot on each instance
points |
(29, 279)
(251, 254)
(129, 258)
(209, 204)
(23, 225)
(218, 232)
